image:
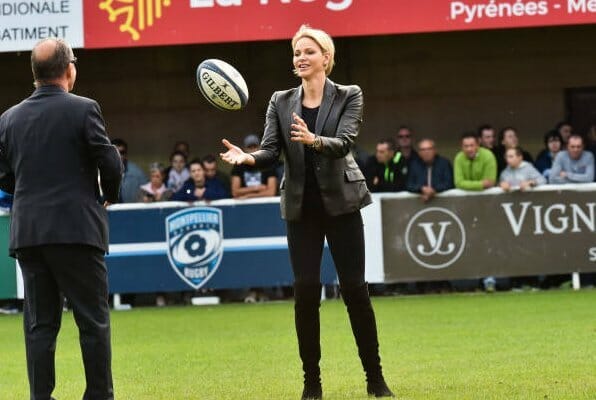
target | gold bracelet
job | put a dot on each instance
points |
(317, 144)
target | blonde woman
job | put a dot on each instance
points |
(315, 126)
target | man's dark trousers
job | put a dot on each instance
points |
(77, 272)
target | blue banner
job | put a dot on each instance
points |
(167, 247)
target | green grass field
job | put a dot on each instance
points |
(503, 346)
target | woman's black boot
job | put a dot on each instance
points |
(306, 315)
(364, 327)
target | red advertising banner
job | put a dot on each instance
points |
(118, 23)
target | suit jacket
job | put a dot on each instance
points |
(52, 145)
(342, 185)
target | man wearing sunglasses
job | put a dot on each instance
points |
(405, 144)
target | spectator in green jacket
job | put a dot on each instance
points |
(475, 168)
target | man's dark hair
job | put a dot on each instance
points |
(389, 142)
(552, 134)
(120, 143)
(484, 127)
(209, 158)
(178, 153)
(54, 66)
(467, 135)
(195, 161)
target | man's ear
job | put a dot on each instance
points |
(70, 71)
(71, 76)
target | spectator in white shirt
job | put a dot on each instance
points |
(575, 165)
(519, 174)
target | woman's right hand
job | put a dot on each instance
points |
(235, 155)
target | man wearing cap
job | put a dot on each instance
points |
(248, 181)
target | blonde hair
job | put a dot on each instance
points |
(322, 39)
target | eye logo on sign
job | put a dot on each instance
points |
(195, 243)
(137, 15)
(435, 238)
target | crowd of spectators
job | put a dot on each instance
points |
(487, 159)
(194, 180)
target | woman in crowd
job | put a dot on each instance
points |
(553, 143)
(519, 174)
(565, 130)
(508, 138)
(177, 173)
(315, 126)
(154, 190)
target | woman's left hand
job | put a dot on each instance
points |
(300, 132)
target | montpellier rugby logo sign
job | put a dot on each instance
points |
(195, 243)
(435, 238)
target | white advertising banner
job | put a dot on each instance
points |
(24, 23)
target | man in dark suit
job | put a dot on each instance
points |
(52, 146)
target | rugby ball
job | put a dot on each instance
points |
(222, 85)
